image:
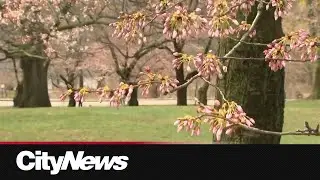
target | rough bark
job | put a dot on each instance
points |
(202, 93)
(81, 79)
(72, 101)
(70, 85)
(181, 93)
(33, 91)
(254, 86)
(313, 13)
(134, 96)
(316, 85)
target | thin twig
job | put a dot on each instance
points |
(185, 84)
(221, 93)
(307, 132)
(263, 59)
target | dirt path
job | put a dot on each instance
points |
(57, 103)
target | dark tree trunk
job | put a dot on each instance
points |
(81, 79)
(313, 27)
(134, 96)
(181, 93)
(202, 93)
(72, 101)
(255, 87)
(33, 92)
(154, 93)
(70, 85)
(316, 86)
(18, 94)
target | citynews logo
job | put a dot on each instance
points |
(42, 161)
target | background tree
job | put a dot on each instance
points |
(32, 29)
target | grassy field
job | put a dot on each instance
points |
(144, 123)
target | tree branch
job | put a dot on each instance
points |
(243, 38)
(184, 84)
(308, 131)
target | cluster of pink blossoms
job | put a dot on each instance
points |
(224, 17)
(181, 24)
(162, 5)
(279, 50)
(123, 92)
(221, 118)
(130, 27)
(282, 7)
(206, 64)
(147, 78)
(209, 64)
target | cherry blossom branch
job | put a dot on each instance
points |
(243, 38)
(262, 59)
(220, 91)
(163, 11)
(184, 84)
(245, 42)
(307, 132)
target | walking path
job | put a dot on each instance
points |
(58, 103)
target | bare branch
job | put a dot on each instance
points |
(184, 84)
(308, 132)
(245, 42)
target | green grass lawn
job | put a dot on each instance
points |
(144, 123)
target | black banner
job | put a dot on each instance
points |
(159, 161)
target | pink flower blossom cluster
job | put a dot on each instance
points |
(123, 92)
(103, 93)
(224, 14)
(279, 50)
(222, 118)
(166, 83)
(79, 95)
(276, 55)
(245, 6)
(208, 64)
(182, 58)
(181, 24)
(282, 7)
(162, 5)
(243, 28)
(189, 123)
(229, 7)
(130, 27)
(147, 78)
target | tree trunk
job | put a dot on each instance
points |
(72, 101)
(70, 85)
(154, 91)
(255, 87)
(316, 85)
(134, 96)
(202, 93)
(313, 13)
(81, 79)
(181, 93)
(33, 92)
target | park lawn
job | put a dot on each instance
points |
(144, 123)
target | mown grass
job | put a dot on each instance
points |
(144, 123)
